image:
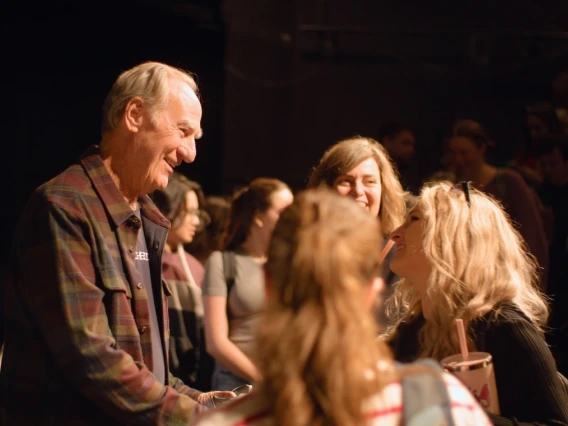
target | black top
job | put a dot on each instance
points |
(530, 390)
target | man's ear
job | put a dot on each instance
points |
(134, 114)
(375, 287)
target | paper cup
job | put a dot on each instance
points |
(478, 375)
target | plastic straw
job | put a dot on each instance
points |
(463, 342)
(386, 250)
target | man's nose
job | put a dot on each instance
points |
(187, 151)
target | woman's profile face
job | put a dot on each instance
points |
(409, 260)
(188, 222)
(363, 184)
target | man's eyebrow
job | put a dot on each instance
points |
(185, 123)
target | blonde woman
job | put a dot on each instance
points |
(460, 257)
(317, 349)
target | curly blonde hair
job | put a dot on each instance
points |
(478, 259)
(317, 343)
(346, 155)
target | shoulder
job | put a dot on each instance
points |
(171, 267)
(426, 385)
(509, 175)
(430, 402)
(215, 260)
(506, 314)
(508, 325)
(71, 190)
(196, 268)
(512, 180)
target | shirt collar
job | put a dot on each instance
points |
(117, 207)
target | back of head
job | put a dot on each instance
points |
(253, 199)
(149, 81)
(323, 257)
(346, 155)
(478, 259)
(211, 238)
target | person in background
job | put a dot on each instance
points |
(86, 312)
(552, 158)
(400, 144)
(469, 144)
(180, 202)
(232, 315)
(460, 257)
(318, 353)
(210, 238)
(540, 121)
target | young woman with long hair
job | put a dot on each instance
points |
(460, 257)
(231, 315)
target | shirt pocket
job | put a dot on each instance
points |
(113, 280)
(118, 306)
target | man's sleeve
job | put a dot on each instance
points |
(58, 283)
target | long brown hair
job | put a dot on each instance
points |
(317, 343)
(346, 155)
(253, 199)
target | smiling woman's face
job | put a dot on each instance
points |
(363, 184)
(409, 260)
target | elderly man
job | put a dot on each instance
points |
(86, 314)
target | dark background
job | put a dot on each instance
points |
(280, 80)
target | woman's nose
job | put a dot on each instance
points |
(396, 234)
(357, 189)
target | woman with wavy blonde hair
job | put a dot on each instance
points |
(460, 257)
(316, 348)
(360, 168)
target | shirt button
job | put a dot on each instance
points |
(142, 329)
(140, 286)
(131, 249)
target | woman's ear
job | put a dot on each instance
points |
(376, 287)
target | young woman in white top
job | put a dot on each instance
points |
(231, 319)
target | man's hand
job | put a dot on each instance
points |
(207, 399)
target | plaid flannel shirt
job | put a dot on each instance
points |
(78, 344)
